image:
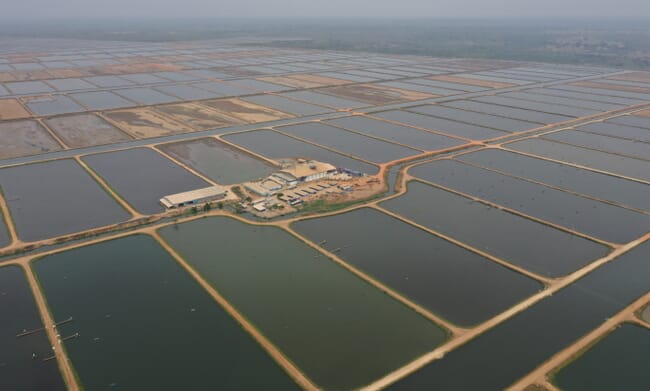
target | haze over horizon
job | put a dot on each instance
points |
(155, 9)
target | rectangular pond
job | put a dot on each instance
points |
(275, 145)
(142, 176)
(101, 100)
(528, 339)
(370, 149)
(52, 105)
(529, 96)
(616, 164)
(616, 130)
(70, 84)
(219, 161)
(287, 105)
(108, 81)
(632, 120)
(442, 125)
(187, 92)
(472, 117)
(146, 96)
(341, 331)
(598, 219)
(151, 328)
(22, 365)
(619, 361)
(437, 274)
(412, 137)
(509, 112)
(325, 100)
(25, 137)
(533, 246)
(538, 106)
(586, 96)
(56, 198)
(602, 143)
(84, 130)
(594, 184)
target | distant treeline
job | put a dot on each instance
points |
(602, 43)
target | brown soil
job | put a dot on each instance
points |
(322, 80)
(615, 87)
(84, 130)
(303, 81)
(6, 76)
(30, 75)
(12, 109)
(245, 111)
(198, 117)
(472, 82)
(145, 123)
(65, 73)
(643, 113)
(376, 95)
(25, 137)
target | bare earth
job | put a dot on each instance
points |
(322, 80)
(197, 116)
(245, 111)
(84, 130)
(643, 113)
(12, 109)
(376, 95)
(145, 123)
(25, 137)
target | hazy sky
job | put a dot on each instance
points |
(324, 8)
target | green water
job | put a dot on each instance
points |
(19, 368)
(222, 163)
(618, 362)
(342, 332)
(145, 324)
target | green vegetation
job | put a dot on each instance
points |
(238, 192)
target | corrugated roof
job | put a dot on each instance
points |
(192, 195)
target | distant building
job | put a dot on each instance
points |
(264, 188)
(307, 171)
(192, 197)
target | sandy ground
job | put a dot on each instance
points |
(84, 130)
(376, 95)
(472, 82)
(322, 80)
(65, 73)
(643, 113)
(144, 123)
(245, 111)
(198, 117)
(12, 109)
(25, 137)
(615, 87)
